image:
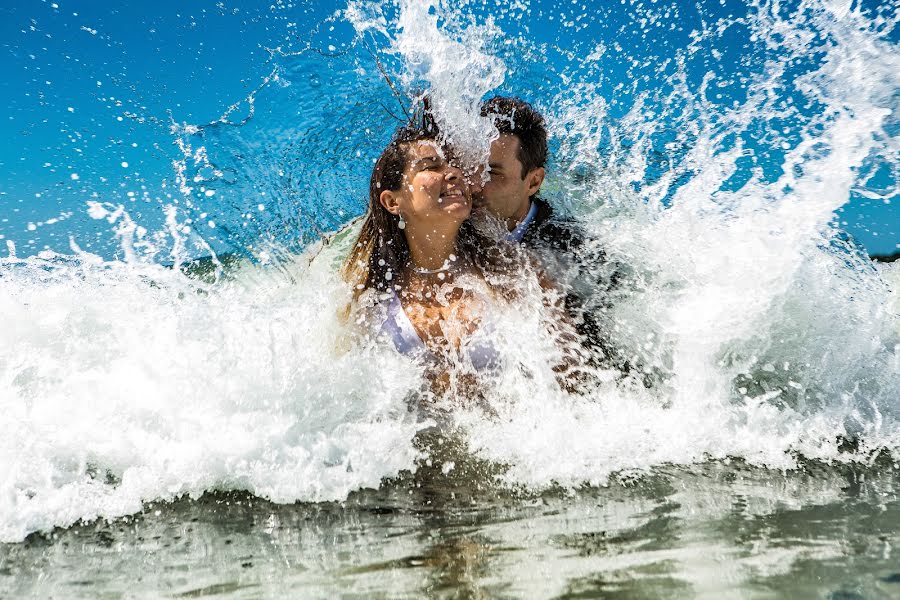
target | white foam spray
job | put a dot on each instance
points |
(448, 62)
(122, 383)
(774, 337)
(766, 335)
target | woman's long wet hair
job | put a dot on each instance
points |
(380, 257)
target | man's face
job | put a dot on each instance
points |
(506, 194)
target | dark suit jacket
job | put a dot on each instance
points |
(550, 232)
(567, 252)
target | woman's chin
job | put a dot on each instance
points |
(456, 205)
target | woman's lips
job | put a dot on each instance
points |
(452, 195)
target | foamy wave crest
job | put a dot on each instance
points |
(121, 383)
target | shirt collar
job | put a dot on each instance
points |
(518, 233)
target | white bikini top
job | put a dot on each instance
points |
(406, 339)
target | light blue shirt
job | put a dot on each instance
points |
(518, 233)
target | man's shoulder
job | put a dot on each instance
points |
(553, 230)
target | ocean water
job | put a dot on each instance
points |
(185, 429)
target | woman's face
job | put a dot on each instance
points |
(433, 191)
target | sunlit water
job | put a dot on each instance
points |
(172, 434)
(718, 530)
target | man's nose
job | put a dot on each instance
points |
(476, 178)
(473, 178)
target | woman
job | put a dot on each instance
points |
(422, 273)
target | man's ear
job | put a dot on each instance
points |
(390, 202)
(534, 180)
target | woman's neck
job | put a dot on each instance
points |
(433, 251)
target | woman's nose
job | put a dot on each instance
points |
(452, 173)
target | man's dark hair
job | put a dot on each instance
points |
(516, 117)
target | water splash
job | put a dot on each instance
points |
(710, 171)
(129, 382)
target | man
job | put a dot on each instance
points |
(517, 167)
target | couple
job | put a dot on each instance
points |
(426, 271)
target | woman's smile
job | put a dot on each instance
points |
(453, 195)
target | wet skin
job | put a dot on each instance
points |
(509, 188)
(434, 201)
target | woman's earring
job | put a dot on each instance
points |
(402, 223)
